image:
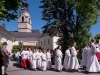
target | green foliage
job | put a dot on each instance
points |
(97, 37)
(70, 17)
(8, 9)
(15, 49)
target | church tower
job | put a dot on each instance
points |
(24, 21)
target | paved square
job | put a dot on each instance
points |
(12, 70)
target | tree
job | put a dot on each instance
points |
(97, 37)
(8, 9)
(70, 17)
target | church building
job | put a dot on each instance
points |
(25, 34)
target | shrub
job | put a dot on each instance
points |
(15, 49)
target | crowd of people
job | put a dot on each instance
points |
(41, 59)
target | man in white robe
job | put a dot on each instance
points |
(66, 64)
(93, 64)
(59, 59)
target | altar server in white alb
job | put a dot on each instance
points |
(44, 61)
(34, 59)
(66, 64)
(93, 64)
(59, 56)
(74, 61)
(39, 59)
(84, 56)
(49, 63)
(29, 58)
(37, 51)
(24, 55)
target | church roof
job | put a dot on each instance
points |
(34, 33)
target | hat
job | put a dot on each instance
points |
(4, 43)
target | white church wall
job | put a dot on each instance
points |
(45, 42)
(48, 42)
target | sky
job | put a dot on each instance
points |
(37, 23)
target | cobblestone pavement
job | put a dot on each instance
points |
(13, 70)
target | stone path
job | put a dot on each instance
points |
(13, 70)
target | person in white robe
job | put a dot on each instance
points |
(93, 64)
(37, 52)
(44, 61)
(84, 56)
(39, 59)
(59, 56)
(66, 64)
(74, 61)
(88, 54)
(34, 59)
(49, 63)
(29, 57)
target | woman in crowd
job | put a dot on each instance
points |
(4, 57)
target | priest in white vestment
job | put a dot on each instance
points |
(93, 64)
(59, 56)
(66, 64)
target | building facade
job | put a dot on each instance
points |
(25, 34)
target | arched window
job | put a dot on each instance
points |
(29, 20)
(22, 19)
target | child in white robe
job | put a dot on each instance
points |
(44, 63)
(29, 58)
(59, 59)
(84, 56)
(49, 63)
(39, 59)
(66, 64)
(74, 61)
(34, 59)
